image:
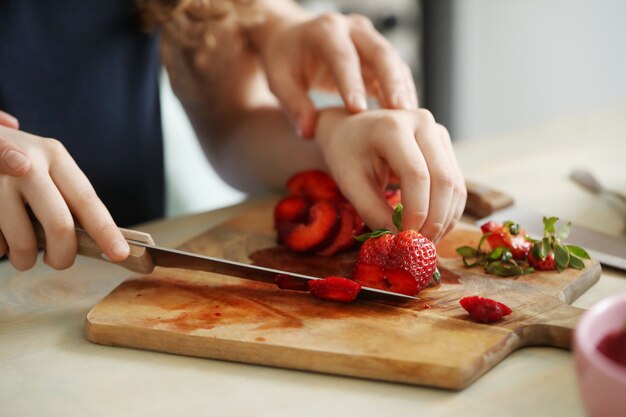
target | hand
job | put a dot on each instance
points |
(332, 52)
(12, 160)
(54, 188)
(362, 150)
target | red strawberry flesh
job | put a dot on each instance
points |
(319, 230)
(484, 310)
(335, 288)
(416, 255)
(345, 235)
(314, 184)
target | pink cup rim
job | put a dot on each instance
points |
(588, 346)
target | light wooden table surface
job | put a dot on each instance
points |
(48, 368)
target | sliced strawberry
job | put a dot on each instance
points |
(314, 184)
(484, 310)
(345, 236)
(414, 254)
(319, 230)
(393, 197)
(370, 263)
(359, 224)
(508, 235)
(288, 213)
(285, 282)
(547, 264)
(335, 288)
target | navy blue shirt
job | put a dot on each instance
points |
(85, 73)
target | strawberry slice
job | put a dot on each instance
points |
(288, 213)
(314, 184)
(370, 263)
(411, 263)
(345, 236)
(335, 288)
(318, 231)
(508, 235)
(285, 282)
(484, 310)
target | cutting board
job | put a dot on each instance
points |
(428, 342)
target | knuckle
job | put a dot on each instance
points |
(55, 147)
(62, 226)
(415, 174)
(330, 22)
(360, 21)
(60, 263)
(444, 179)
(426, 117)
(107, 229)
(23, 248)
(388, 122)
(88, 197)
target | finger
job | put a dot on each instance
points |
(441, 174)
(87, 207)
(460, 189)
(18, 232)
(50, 209)
(397, 145)
(12, 160)
(390, 69)
(367, 197)
(412, 90)
(9, 120)
(3, 245)
(340, 55)
(293, 96)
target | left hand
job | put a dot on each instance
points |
(332, 52)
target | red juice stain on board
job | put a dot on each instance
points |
(314, 265)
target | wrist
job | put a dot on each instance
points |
(272, 17)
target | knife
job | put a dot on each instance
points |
(145, 256)
(609, 250)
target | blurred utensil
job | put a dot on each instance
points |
(586, 180)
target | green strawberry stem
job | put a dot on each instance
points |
(396, 219)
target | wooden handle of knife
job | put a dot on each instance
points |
(139, 259)
(482, 200)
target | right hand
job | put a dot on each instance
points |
(55, 189)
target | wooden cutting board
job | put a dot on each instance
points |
(428, 342)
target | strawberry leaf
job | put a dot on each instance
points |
(545, 248)
(467, 251)
(437, 276)
(396, 218)
(536, 250)
(578, 251)
(575, 262)
(496, 253)
(561, 257)
(564, 231)
(548, 225)
(482, 239)
(372, 235)
(528, 271)
(502, 270)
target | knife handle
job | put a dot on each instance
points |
(483, 201)
(139, 259)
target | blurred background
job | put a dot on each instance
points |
(482, 67)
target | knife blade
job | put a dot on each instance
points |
(145, 255)
(609, 250)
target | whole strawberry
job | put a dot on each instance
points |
(403, 263)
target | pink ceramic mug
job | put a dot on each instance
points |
(602, 382)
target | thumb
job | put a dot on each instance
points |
(8, 120)
(13, 161)
(295, 100)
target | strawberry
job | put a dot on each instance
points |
(508, 235)
(550, 253)
(318, 231)
(403, 263)
(484, 310)
(314, 184)
(288, 213)
(393, 197)
(546, 264)
(285, 282)
(345, 235)
(335, 288)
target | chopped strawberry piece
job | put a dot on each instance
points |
(414, 253)
(510, 236)
(547, 264)
(393, 197)
(370, 276)
(345, 235)
(314, 184)
(484, 310)
(285, 282)
(292, 209)
(401, 281)
(319, 230)
(335, 288)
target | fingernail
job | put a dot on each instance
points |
(15, 160)
(120, 248)
(357, 101)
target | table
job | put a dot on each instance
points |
(47, 367)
